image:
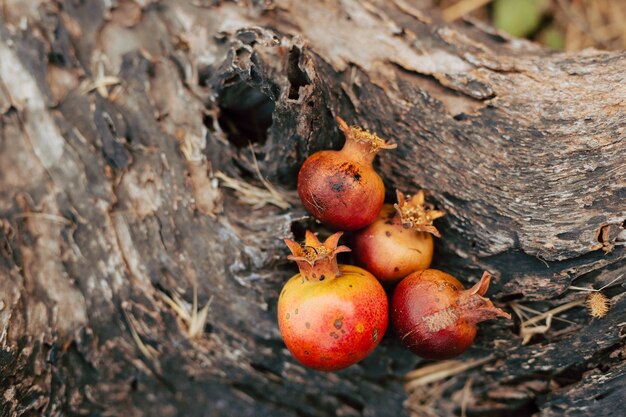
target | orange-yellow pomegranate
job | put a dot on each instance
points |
(435, 317)
(330, 316)
(341, 188)
(399, 241)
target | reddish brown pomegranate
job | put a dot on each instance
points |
(330, 316)
(435, 317)
(341, 188)
(399, 241)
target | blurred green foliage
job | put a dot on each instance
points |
(519, 18)
(553, 38)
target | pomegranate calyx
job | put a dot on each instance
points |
(474, 307)
(316, 260)
(415, 214)
(362, 144)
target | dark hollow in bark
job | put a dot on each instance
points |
(123, 124)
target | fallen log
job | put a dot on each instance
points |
(148, 155)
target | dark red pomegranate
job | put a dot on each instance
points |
(341, 188)
(435, 317)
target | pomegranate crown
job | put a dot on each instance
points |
(316, 260)
(366, 140)
(415, 214)
(476, 306)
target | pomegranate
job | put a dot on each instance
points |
(399, 241)
(435, 317)
(330, 316)
(341, 188)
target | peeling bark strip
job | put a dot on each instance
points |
(115, 118)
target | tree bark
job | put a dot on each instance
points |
(133, 140)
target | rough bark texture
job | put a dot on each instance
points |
(116, 115)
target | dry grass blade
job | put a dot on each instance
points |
(178, 305)
(147, 350)
(440, 370)
(198, 318)
(527, 309)
(528, 332)
(467, 392)
(598, 305)
(45, 216)
(251, 195)
(529, 327)
(268, 185)
(255, 196)
(102, 81)
(194, 320)
(553, 312)
(571, 287)
(101, 84)
(422, 400)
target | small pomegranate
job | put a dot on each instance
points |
(341, 188)
(399, 241)
(330, 316)
(435, 317)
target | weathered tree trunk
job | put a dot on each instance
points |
(114, 124)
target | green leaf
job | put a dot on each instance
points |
(517, 17)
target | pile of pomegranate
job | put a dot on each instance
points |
(332, 316)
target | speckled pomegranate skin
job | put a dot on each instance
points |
(343, 193)
(389, 251)
(331, 324)
(424, 317)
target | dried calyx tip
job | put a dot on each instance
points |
(360, 135)
(316, 260)
(479, 308)
(415, 214)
